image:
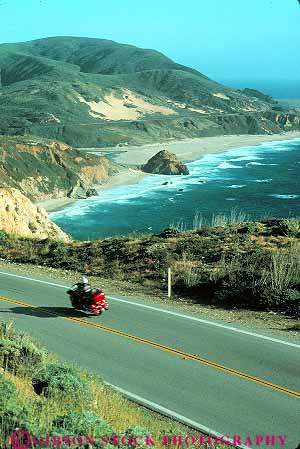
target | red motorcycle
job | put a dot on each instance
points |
(94, 302)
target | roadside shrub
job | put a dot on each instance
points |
(8, 393)
(136, 431)
(3, 236)
(287, 227)
(52, 378)
(283, 269)
(7, 330)
(235, 292)
(268, 298)
(238, 280)
(290, 227)
(169, 233)
(59, 252)
(290, 302)
(19, 355)
(12, 414)
(12, 419)
(85, 423)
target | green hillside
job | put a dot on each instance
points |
(96, 55)
(95, 92)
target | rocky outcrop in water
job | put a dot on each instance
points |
(18, 215)
(165, 163)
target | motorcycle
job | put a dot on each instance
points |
(96, 302)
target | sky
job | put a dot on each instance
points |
(241, 40)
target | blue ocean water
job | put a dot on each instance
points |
(261, 181)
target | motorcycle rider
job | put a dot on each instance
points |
(82, 290)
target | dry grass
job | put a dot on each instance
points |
(284, 268)
(235, 217)
(23, 386)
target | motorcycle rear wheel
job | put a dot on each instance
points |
(75, 304)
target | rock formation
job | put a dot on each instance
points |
(18, 215)
(165, 163)
(42, 169)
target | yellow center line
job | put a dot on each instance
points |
(178, 352)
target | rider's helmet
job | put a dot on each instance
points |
(84, 280)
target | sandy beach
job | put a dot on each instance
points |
(186, 150)
(124, 177)
(193, 149)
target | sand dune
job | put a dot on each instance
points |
(127, 107)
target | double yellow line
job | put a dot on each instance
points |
(164, 348)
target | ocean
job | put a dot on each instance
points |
(257, 182)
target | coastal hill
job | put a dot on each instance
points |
(96, 93)
(43, 169)
(35, 169)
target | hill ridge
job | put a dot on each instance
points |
(49, 85)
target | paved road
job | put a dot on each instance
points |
(227, 380)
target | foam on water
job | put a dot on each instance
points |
(263, 180)
(135, 206)
(285, 197)
(225, 165)
(259, 163)
(209, 168)
(276, 143)
(246, 158)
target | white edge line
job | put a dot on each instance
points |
(180, 315)
(173, 415)
(152, 405)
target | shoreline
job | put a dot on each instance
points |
(124, 177)
(187, 150)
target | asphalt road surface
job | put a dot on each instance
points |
(225, 380)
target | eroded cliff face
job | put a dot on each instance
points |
(43, 169)
(286, 120)
(18, 215)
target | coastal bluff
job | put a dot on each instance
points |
(44, 169)
(165, 163)
(19, 216)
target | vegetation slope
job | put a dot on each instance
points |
(95, 92)
(246, 265)
(44, 396)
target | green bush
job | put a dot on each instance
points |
(8, 394)
(19, 355)
(135, 431)
(12, 414)
(85, 423)
(269, 298)
(7, 330)
(291, 302)
(235, 292)
(52, 378)
(169, 233)
(287, 227)
(3, 235)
